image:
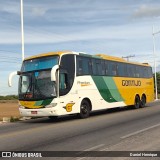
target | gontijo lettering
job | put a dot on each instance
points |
(131, 83)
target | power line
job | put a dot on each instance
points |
(9, 62)
(128, 57)
(9, 59)
(8, 51)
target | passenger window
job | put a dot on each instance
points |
(106, 68)
(98, 67)
(84, 66)
(114, 69)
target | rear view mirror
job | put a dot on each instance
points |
(11, 75)
(53, 72)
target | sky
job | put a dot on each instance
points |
(112, 27)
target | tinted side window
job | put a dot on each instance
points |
(103, 67)
(94, 69)
(150, 72)
(98, 67)
(114, 69)
(131, 70)
(84, 66)
(106, 68)
(145, 72)
(122, 70)
(67, 73)
(137, 71)
(141, 71)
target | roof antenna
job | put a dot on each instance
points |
(128, 57)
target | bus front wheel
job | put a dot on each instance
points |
(84, 109)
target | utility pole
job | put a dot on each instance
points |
(128, 57)
(154, 54)
(22, 30)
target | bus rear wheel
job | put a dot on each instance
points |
(137, 102)
(84, 109)
(143, 101)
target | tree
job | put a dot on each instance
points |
(158, 81)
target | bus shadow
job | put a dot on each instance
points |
(74, 117)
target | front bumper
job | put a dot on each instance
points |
(44, 112)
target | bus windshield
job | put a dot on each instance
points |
(35, 81)
(36, 86)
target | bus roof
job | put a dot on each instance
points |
(100, 56)
(47, 54)
(118, 59)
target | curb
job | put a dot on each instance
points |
(13, 119)
(6, 119)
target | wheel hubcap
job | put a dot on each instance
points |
(84, 109)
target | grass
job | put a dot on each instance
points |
(14, 119)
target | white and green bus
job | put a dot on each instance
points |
(61, 83)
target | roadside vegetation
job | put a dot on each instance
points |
(158, 83)
(9, 97)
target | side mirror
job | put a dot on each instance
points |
(11, 75)
(53, 72)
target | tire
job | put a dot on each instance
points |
(84, 109)
(137, 102)
(143, 101)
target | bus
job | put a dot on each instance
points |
(61, 83)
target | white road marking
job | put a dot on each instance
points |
(90, 149)
(140, 131)
(95, 147)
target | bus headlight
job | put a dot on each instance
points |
(51, 105)
(22, 107)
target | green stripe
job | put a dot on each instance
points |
(46, 102)
(107, 88)
(38, 103)
(103, 89)
(43, 102)
(113, 89)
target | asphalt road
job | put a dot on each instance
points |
(122, 129)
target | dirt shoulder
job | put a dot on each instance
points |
(9, 108)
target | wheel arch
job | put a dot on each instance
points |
(138, 95)
(144, 95)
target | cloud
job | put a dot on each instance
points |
(145, 11)
(37, 11)
(10, 36)
(11, 7)
(54, 35)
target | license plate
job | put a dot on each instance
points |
(33, 112)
